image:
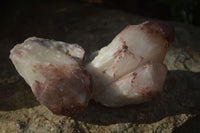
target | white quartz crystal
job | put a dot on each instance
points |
(130, 70)
(54, 72)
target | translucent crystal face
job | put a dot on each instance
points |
(131, 63)
(53, 71)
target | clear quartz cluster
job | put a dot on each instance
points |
(127, 71)
(130, 70)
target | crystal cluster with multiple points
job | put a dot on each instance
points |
(54, 72)
(129, 70)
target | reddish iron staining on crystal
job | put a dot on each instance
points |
(38, 88)
(141, 28)
(113, 67)
(113, 70)
(147, 93)
(143, 91)
(122, 78)
(115, 73)
(148, 64)
(152, 94)
(122, 41)
(33, 69)
(134, 75)
(130, 90)
(51, 71)
(29, 50)
(141, 58)
(124, 47)
(120, 52)
(20, 54)
(161, 28)
(56, 78)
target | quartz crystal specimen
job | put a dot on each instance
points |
(130, 70)
(54, 72)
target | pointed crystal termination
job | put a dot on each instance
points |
(130, 70)
(54, 72)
